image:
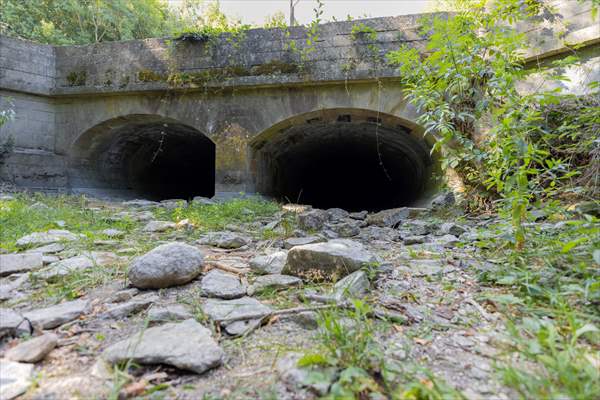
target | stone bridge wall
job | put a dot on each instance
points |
(238, 90)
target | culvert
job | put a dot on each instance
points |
(354, 163)
(145, 157)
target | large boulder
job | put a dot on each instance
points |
(167, 265)
(185, 345)
(327, 261)
(388, 218)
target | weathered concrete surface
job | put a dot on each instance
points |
(93, 118)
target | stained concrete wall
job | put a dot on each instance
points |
(236, 90)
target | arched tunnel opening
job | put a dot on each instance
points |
(145, 157)
(351, 162)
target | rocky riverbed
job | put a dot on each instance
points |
(169, 309)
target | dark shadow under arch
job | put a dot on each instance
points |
(348, 158)
(146, 156)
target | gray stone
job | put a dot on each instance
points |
(345, 229)
(417, 227)
(33, 350)
(159, 226)
(12, 283)
(113, 233)
(246, 307)
(225, 240)
(169, 312)
(448, 241)
(140, 203)
(305, 320)
(217, 283)
(15, 378)
(331, 260)
(48, 249)
(9, 322)
(299, 241)
(410, 240)
(312, 220)
(133, 306)
(270, 263)
(122, 295)
(274, 281)
(452, 229)
(360, 215)
(55, 316)
(442, 200)
(51, 236)
(373, 233)
(39, 207)
(79, 263)
(13, 263)
(355, 285)
(185, 345)
(337, 214)
(388, 218)
(172, 204)
(202, 201)
(296, 378)
(166, 265)
(50, 259)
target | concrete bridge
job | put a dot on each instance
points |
(258, 111)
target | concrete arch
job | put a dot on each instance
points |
(143, 155)
(351, 158)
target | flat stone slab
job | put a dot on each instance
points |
(51, 236)
(55, 316)
(159, 226)
(300, 241)
(327, 261)
(15, 378)
(246, 307)
(217, 283)
(9, 321)
(225, 240)
(33, 350)
(169, 312)
(135, 305)
(167, 265)
(14, 263)
(273, 281)
(270, 263)
(185, 345)
(79, 263)
(48, 249)
(355, 285)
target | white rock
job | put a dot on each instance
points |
(246, 307)
(15, 378)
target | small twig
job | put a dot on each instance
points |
(223, 267)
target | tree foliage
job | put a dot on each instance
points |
(465, 86)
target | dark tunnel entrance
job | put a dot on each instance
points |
(145, 157)
(351, 162)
